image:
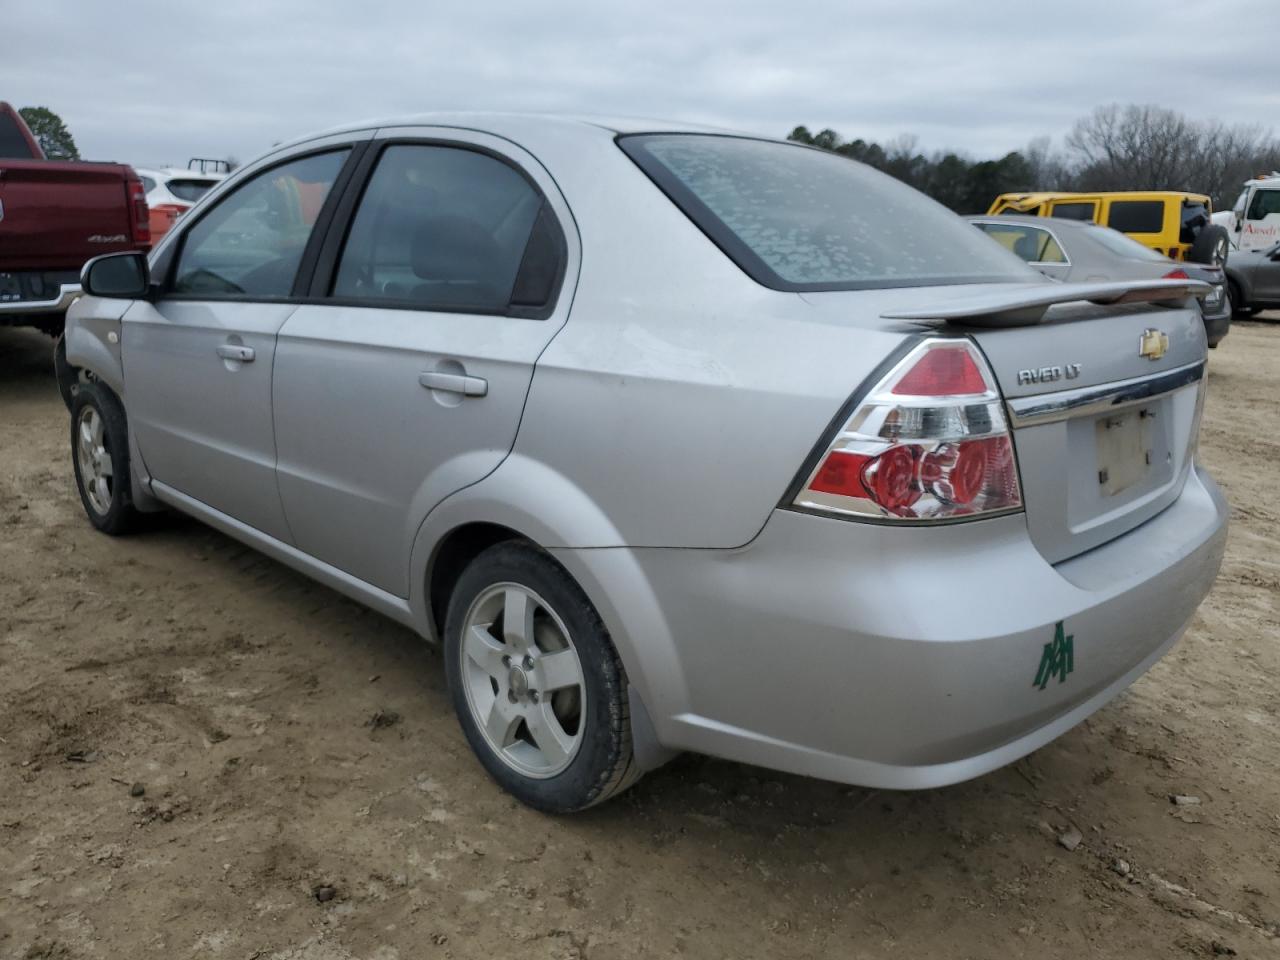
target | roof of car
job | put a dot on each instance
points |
(1030, 219)
(1037, 198)
(178, 173)
(507, 123)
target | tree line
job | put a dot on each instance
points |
(1116, 147)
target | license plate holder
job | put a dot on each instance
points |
(1124, 449)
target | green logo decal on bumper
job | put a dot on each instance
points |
(1058, 658)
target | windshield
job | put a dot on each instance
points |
(1121, 245)
(796, 218)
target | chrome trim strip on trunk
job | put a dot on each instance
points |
(1049, 407)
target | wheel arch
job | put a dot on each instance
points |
(527, 499)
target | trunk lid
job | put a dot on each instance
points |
(1103, 399)
(1104, 435)
(58, 214)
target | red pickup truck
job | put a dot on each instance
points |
(55, 215)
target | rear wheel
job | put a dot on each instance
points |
(100, 458)
(536, 682)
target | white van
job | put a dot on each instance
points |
(1254, 222)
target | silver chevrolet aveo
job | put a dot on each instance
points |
(674, 439)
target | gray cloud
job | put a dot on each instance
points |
(152, 81)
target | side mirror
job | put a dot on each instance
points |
(122, 276)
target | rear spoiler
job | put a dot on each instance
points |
(1023, 305)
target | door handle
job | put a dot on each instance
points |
(234, 351)
(454, 383)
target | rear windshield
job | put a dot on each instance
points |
(13, 144)
(797, 218)
(190, 190)
(1121, 245)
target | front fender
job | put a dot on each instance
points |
(91, 323)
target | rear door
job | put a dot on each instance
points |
(198, 359)
(441, 286)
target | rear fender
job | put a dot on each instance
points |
(542, 505)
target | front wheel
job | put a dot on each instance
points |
(536, 682)
(100, 457)
(1239, 309)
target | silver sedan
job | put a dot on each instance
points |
(1082, 250)
(674, 440)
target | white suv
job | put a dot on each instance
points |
(172, 192)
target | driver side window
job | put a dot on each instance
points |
(252, 242)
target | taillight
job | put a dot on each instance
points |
(1178, 274)
(139, 213)
(928, 442)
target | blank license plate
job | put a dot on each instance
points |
(1124, 449)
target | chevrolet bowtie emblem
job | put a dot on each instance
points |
(1153, 344)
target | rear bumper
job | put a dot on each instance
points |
(897, 658)
(12, 310)
(1216, 327)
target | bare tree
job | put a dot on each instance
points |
(1152, 148)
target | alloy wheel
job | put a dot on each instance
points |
(97, 470)
(523, 680)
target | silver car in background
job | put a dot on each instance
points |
(1078, 250)
(674, 439)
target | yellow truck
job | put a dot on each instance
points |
(1170, 222)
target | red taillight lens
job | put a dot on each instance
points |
(841, 473)
(943, 372)
(929, 442)
(139, 213)
(1178, 274)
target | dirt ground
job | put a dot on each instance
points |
(305, 792)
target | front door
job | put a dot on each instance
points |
(199, 358)
(1261, 220)
(407, 380)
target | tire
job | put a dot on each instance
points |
(1212, 246)
(1239, 309)
(66, 375)
(557, 753)
(100, 439)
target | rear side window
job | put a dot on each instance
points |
(1073, 211)
(1015, 212)
(251, 243)
(449, 228)
(796, 218)
(13, 144)
(189, 190)
(1136, 216)
(148, 183)
(1028, 243)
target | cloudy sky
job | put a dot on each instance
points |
(152, 81)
